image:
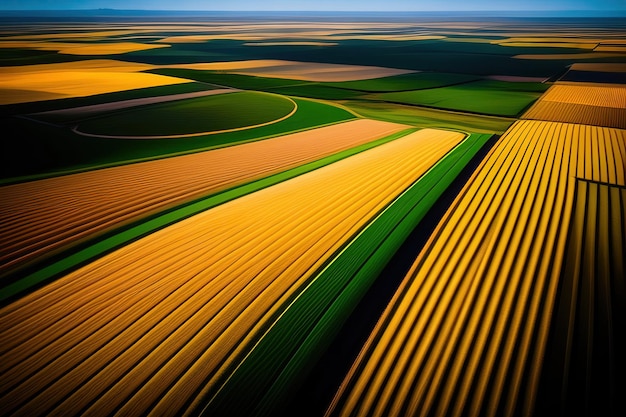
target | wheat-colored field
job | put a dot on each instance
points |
(142, 329)
(27, 83)
(466, 332)
(587, 104)
(39, 218)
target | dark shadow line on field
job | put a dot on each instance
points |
(412, 89)
(317, 391)
(608, 184)
(468, 112)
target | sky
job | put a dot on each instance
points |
(318, 5)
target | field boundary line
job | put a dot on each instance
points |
(196, 134)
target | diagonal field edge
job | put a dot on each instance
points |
(282, 358)
(75, 260)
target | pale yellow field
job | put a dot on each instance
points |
(466, 331)
(39, 218)
(306, 71)
(587, 104)
(143, 329)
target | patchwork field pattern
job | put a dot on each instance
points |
(41, 217)
(302, 214)
(151, 341)
(585, 104)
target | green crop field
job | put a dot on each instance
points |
(195, 115)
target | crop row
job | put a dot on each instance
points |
(42, 217)
(265, 380)
(466, 333)
(593, 105)
(145, 327)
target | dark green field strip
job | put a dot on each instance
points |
(284, 356)
(67, 103)
(193, 115)
(466, 98)
(38, 151)
(474, 58)
(585, 364)
(317, 91)
(414, 81)
(246, 82)
(22, 56)
(81, 255)
(427, 117)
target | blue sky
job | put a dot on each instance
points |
(330, 5)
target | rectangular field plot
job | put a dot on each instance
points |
(144, 328)
(585, 104)
(39, 218)
(466, 332)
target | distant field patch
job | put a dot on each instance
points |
(614, 73)
(75, 79)
(587, 95)
(584, 55)
(295, 70)
(428, 117)
(549, 42)
(600, 67)
(191, 116)
(83, 48)
(412, 81)
(593, 105)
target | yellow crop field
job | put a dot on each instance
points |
(142, 329)
(466, 332)
(587, 95)
(601, 67)
(587, 104)
(83, 48)
(41, 217)
(296, 70)
(74, 79)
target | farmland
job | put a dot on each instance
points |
(267, 214)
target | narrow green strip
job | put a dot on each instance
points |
(286, 353)
(139, 230)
